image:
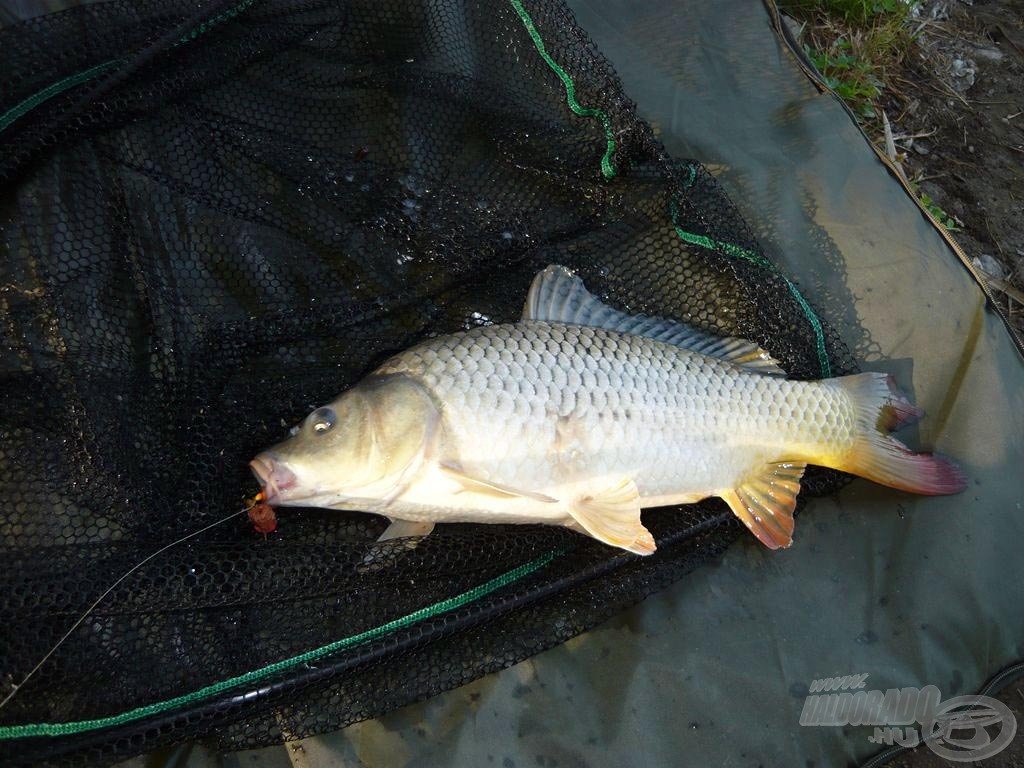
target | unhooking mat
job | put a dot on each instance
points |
(913, 592)
(909, 591)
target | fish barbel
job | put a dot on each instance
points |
(581, 415)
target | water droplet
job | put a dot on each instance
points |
(475, 320)
(411, 185)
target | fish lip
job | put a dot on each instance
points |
(263, 467)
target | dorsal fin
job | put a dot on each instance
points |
(559, 296)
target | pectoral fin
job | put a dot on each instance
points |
(478, 485)
(400, 529)
(612, 515)
(766, 500)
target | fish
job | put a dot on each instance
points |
(581, 415)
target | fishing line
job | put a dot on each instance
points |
(113, 586)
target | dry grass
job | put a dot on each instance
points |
(859, 47)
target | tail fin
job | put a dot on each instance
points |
(881, 407)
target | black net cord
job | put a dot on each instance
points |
(166, 41)
(229, 707)
(236, 228)
(54, 124)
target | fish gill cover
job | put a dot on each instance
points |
(214, 218)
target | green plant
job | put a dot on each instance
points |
(949, 222)
(855, 45)
(852, 78)
(855, 12)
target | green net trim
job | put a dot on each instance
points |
(81, 726)
(737, 252)
(607, 168)
(54, 89)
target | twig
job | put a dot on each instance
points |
(890, 145)
(921, 135)
(991, 234)
(948, 90)
(999, 284)
(1009, 39)
(926, 23)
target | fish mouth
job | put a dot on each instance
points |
(273, 476)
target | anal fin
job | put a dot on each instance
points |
(612, 515)
(765, 501)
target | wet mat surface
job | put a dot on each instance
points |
(195, 267)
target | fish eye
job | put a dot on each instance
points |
(322, 420)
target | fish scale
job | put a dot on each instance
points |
(679, 421)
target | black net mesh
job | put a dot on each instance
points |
(214, 217)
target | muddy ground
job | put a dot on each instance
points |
(957, 116)
(958, 125)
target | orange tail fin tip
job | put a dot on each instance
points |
(876, 456)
